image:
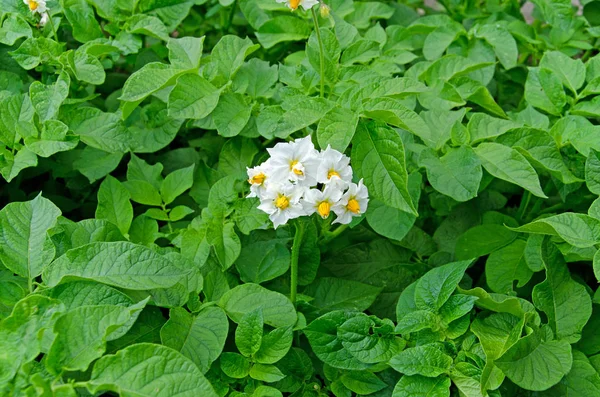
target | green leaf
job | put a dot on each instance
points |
(534, 364)
(424, 360)
(543, 90)
(362, 382)
(185, 52)
(14, 109)
(256, 78)
(421, 386)
(225, 242)
(139, 170)
(104, 131)
(456, 174)
(120, 264)
(151, 370)
(52, 140)
(337, 128)
(143, 192)
(435, 287)
(266, 373)
(296, 112)
(482, 126)
(114, 205)
(378, 157)
(249, 333)
(234, 365)
(361, 51)
(23, 243)
(274, 346)
(280, 29)
(331, 54)
(506, 163)
(506, 265)
(147, 25)
(199, 337)
(338, 294)
(440, 39)
(263, 260)
(579, 230)
(81, 334)
(456, 306)
(592, 171)
(81, 17)
(87, 293)
(34, 51)
(147, 80)
(176, 183)
(277, 310)
(571, 71)
(566, 303)
(502, 42)
(231, 114)
(193, 97)
(416, 321)
(46, 99)
(482, 240)
(369, 339)
(582, 379)
(228, 56)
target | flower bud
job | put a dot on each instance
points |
(324, 9)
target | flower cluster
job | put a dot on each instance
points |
(39, 7)
(298, 180)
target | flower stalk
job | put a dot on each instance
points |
(321, 52)
(298, 236)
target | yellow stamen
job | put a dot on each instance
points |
(323, 209)
(282, 202)
(353, 206)
(33, 5)
(333, 173)
(257, 179)
(295, 170)
(294, 4)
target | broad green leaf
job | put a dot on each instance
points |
(249, 333)
(579, 230)
(143, 192)
(370, 340)
(114, 205)
(88, 293)
(331, 54)
(146, 369)
(506, 265)
(228, 56)
(296, 112)
(14, 109)
(81, 334)
(176, 183)
(34, 51)
(147, 25)
(456, 306)
(421, 386)
(482, 240)
(456, 174)
(47, 99)
(592, 171)
(508, 164)
(338, 294)
(120, 264)
(434, 288)
(274, 346)
(263, 260)
(571, 71)
(234, 365)
(502, 41)
(337, 128)
(147, 80)
(424, 360)
(225, 241)
(543, 90)
(482, 126)
(266, 373)
(378, 157)
(416, 321)
(256, 78)
(280, 29)
(362, 382)
(534, 364)
(146, 329)
(185, 52)
(200, 337)
(81, 17)
(139, 170)
(103, 131)
(24, 248)
(231, 114)
(322, 334)
(53, 139)
(193, 97)
(361, 51)
(442, 123)
(582, 379)
(439, 39)
(566, 303)
(277, 310)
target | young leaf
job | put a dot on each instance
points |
(274, 346)
(114, 205)
(421, 386)
(424, 360)
(249, 332)
(434, 288)
(506, 265)
(176, 183)
(579, 230)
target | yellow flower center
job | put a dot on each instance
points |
(282, 202)
(294, 4)
(295, 170)
(257, 179)
(353, 206)
(33, 5)
(323, 209)
(333, 173)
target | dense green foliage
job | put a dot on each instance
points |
(131, 262)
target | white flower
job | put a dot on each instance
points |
(257, 178)
(321, 202)
(38, 6)
(44, 19)
(353, 203)
(282, 202)
(296, 161)
(293, 4)
(334, 168)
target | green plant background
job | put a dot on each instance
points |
(132, 264)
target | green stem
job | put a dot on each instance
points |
(523, 206)
(294, 265)
(51, 22)
(231, 15)
(321, 51)
(328, 236)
